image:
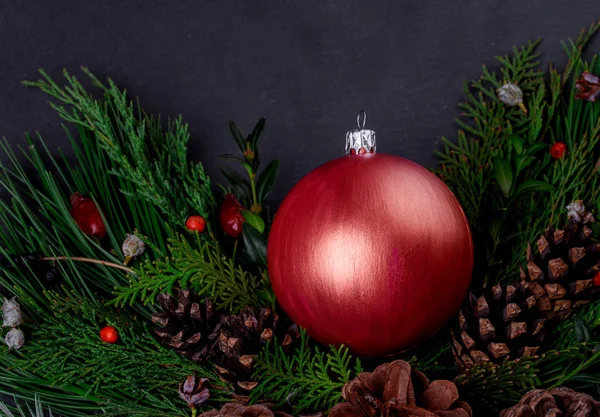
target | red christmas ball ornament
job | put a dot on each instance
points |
(230, 216)
(558, 150)
(195, 223)
(371, 251)
(109, 334)
(87, 216)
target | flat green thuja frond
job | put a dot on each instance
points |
(200, 267)
(152, 159)
(310, 380)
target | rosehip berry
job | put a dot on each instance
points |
(87, 216)
(230, 216)
(109, 334)
(195, 223)
(558, 150)
(597, 279)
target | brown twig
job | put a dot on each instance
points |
(94, 261)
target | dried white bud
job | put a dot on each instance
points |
(577, 213)
(511, 95)
(14, 339)
(11, 312)
(133, 246)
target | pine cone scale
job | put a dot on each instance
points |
(513, 321)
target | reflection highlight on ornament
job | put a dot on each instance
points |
(343, 266)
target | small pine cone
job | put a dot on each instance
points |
(238, 340)
(394, 389)
(516, 320)
(555, 402)
(185, 323)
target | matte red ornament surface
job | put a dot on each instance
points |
(372, 251)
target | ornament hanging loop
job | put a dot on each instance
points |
(360, 141)
(364, 121)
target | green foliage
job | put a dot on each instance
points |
(136, 374)
(37, 411)
(309, 380)
(198, 266)
(251, 192)
(498, 386)
(153, 160)
(500, 168)
(37, 219)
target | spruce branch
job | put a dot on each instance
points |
(310, 380)
(200, 267)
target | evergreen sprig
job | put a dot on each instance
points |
(310, 380)
(136, 374)
(141, 152)
(37, 411)
(197, 266)
(37, 219)
(500, 168)
(498, 386)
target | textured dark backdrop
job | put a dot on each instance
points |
(307, 66)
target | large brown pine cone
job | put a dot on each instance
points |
(239, 338)
(515, 320)
(186, 323)
(231, 342)
(394, 389)
(557, 402)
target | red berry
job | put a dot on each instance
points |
(195, 223)
(87, 216)
(109, 334)
(558, 150)
(230, 216)
(597, 279)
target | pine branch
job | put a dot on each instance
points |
(38, 220)
(152, 160)
(200, 267)
(498, 386)
(136, 374)
(505, 217)
(310, 380)
(37, 411)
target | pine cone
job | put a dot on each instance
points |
(239, 410)
(555, 402)
(393, 389)
(239, 338)
(186, 323)
(194, 390)
(515, 320)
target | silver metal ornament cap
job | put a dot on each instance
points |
(361, 140)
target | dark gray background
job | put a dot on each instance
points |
(307, 66)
